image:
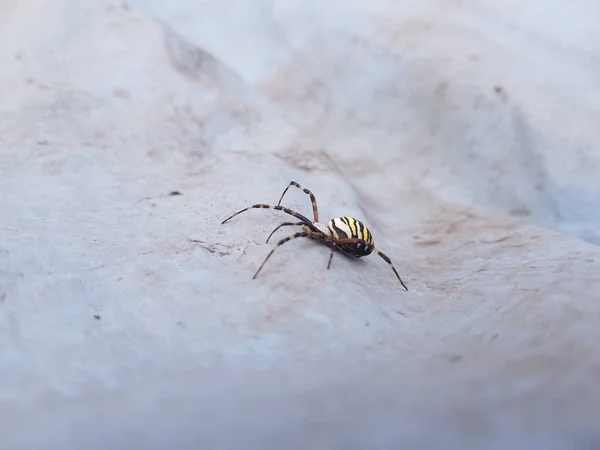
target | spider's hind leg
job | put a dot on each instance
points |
(373, 249)
(387, 260)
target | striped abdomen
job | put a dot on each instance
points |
(350, 228)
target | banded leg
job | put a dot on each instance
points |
(279, 244)
(284, 224)
(330, 259)
(384, 257)
(306, 191)
(278, 208)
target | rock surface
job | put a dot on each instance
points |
(465, 135)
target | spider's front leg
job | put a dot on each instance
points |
(279, 244)
(313, 201)
(284, 224)
(308, 234)
(278, 208)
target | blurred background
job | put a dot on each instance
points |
(463, 133)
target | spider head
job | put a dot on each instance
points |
(320, 228)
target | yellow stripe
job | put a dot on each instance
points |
(352, 225)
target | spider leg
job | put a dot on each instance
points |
(330, 258)
(284, 224)
(389, 261)
(384, 257)
(306, 191)
(280, 243)
(278, 208)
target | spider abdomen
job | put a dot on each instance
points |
(351, 228)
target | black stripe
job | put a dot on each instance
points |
(345, 220)
(361, 228)
(340, 233)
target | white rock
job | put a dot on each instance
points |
(463, 134)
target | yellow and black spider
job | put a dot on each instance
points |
(347, 234)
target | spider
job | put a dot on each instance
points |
(347, 234)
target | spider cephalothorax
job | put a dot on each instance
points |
(347, 234)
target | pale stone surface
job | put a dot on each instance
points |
(465, 135)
